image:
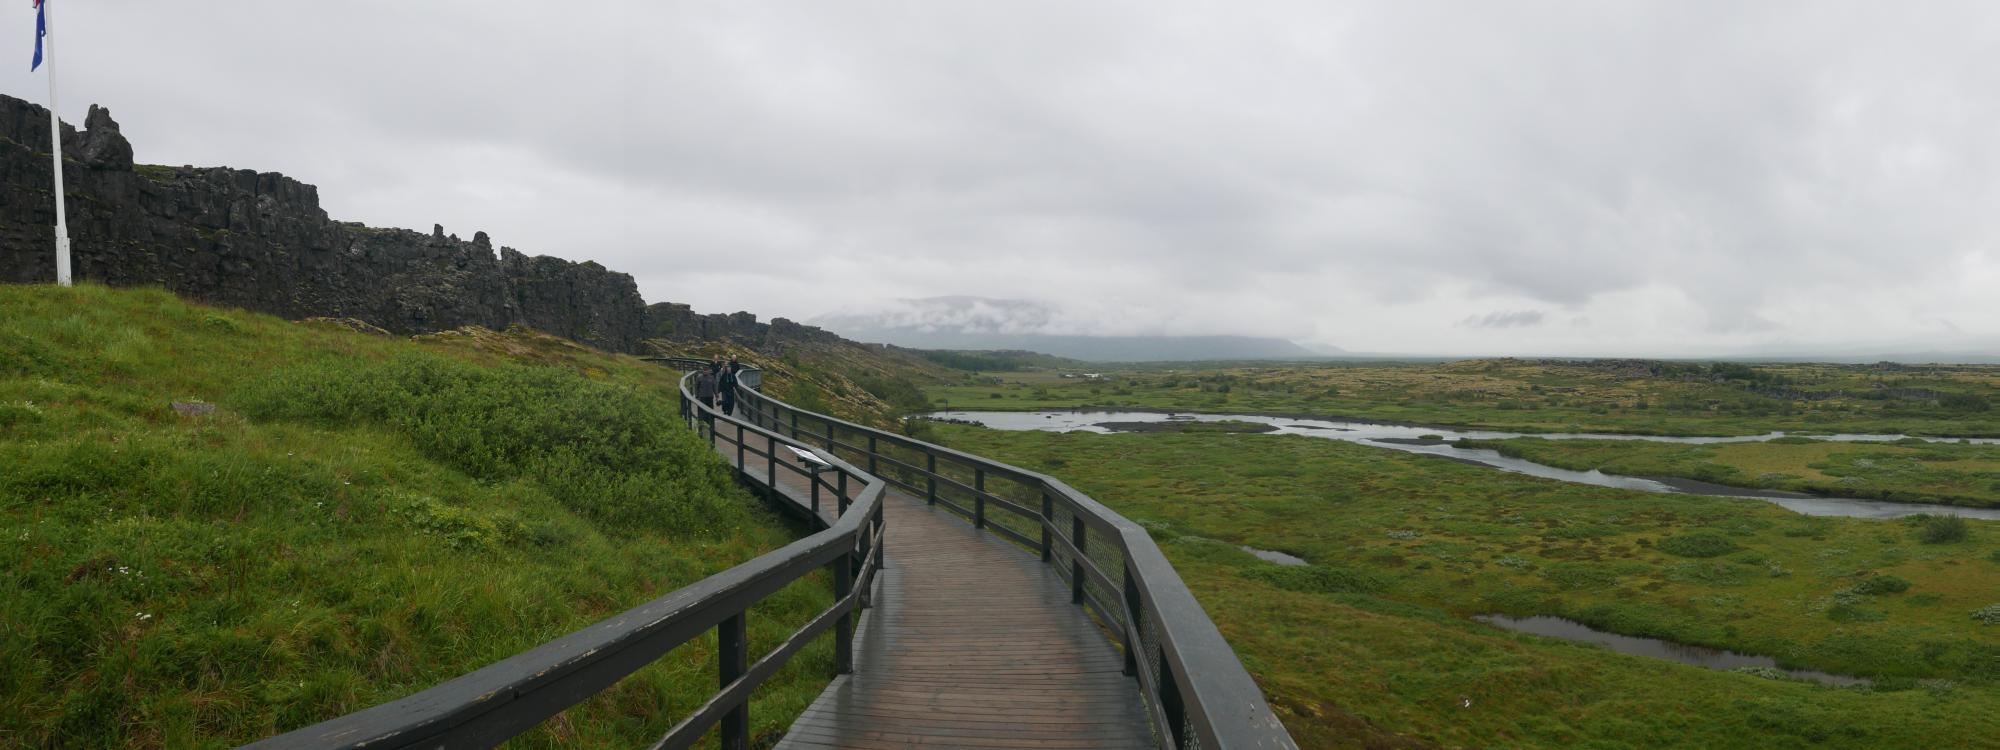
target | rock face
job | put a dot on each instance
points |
(260, 241)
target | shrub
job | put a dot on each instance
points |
(1874, 585)
(1940, 529)
(1987, 615)
(1318, 579)
(615, 454)
(1964, 402)
(1852, 613)
(1697, 545)
(899, 392)
(1580, 576)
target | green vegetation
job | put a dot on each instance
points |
(1372, 645)
(1941, 529)
(342, 519)
(155, 172)
(1632, 396)
(868, 385)
(994, 361)
(1701, 544)
(1908, 471)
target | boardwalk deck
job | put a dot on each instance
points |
(972, 643)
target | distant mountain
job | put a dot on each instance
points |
(965, 323)
(1095, 348)
(1850, 358)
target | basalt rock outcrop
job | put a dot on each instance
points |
(260, 241)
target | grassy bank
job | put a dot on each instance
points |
(1642, 397)
(1908, 471)
(342, 519)
(1370, 645)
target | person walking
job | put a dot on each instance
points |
(726, 384)
(704, 387)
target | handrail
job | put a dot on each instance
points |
(1198, 693)
(487, 706)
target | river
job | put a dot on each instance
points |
(1412, 439)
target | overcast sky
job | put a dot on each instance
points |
(1586, 177)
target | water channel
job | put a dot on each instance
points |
(1700, 656)
(1434, 441)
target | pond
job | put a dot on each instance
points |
(1273, 556)
(1435, 441)
(1700, 656)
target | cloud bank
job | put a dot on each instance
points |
(1663, 178)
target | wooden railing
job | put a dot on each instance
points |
(1197, 693)
(486, 707)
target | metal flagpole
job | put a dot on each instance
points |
(55, 138)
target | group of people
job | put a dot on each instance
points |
(716, 385)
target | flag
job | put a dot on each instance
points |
(41, 30)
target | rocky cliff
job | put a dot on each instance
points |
(260, 241)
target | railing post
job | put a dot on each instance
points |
(866, 536)
(795, 424)
(1134, 620)
(1048, 518)
(843, 629)
(732, 647)
(874, 527)
(843, 493)
(930, 491)
(829, 436)
(1081, 540)
(739, 446)
(813, 479)
(871, 455)
(771, 465)
(978, 498)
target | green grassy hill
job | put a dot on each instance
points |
(359, 518)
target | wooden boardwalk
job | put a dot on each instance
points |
(971, 643)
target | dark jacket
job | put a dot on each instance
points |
(727, 384)
(704, 385)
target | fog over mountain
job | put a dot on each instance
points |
(966, 322)
(1647, 178)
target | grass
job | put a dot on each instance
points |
(1371, 645)
(1631, 396)
(1908, 471)
(359, 518)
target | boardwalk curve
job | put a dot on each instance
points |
(996, 608)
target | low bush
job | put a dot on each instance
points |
(1874, 585)
(1700, 544)
(1318, 579)
(1940, 529)
(1988, 615)
(612, 453)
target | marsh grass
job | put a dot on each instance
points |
(360, 518)
(1907, 471)
(1372, 645)
(1656, 398)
